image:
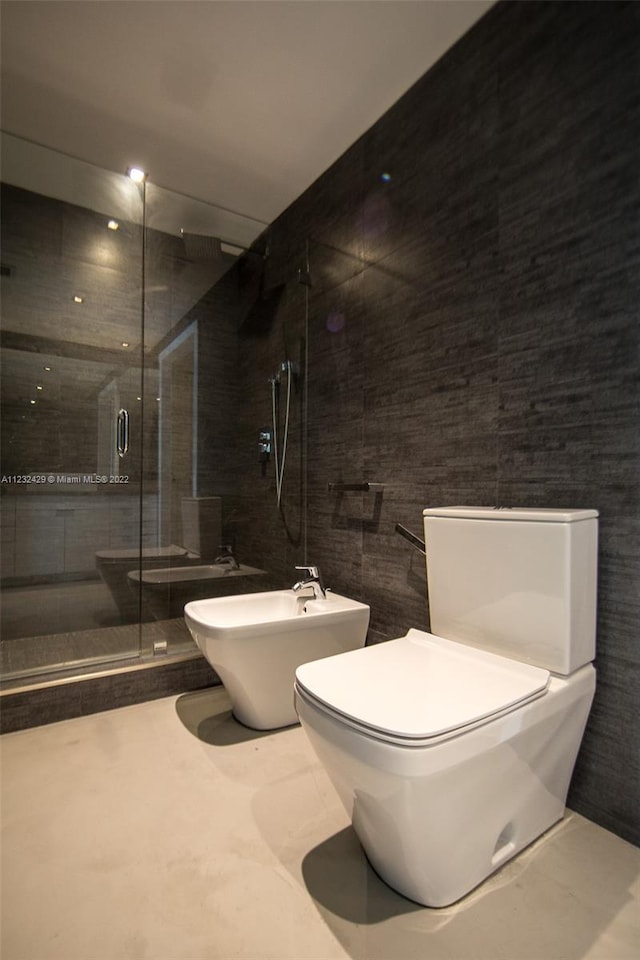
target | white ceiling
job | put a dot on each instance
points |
(241, 103)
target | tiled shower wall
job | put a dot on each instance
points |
(473, 335)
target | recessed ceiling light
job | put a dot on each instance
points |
(48, 369)
(138, 398)
(113, 225)
(124, 343)
(136, 174)
(31, 401)
(78, 299)
(39, 386)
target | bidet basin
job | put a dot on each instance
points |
(255, 642)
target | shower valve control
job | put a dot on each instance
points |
(264, 445)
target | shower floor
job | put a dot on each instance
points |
(83, 631)
(58, 607)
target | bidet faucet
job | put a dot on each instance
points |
(311, 585)
(227, 558)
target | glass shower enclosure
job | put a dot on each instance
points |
(116, 308)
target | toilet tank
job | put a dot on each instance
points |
(516, 581)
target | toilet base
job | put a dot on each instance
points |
(435, 821)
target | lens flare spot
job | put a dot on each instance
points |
(375, 216)
(335, 321)
(385, 177)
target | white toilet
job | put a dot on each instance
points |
(452, 752)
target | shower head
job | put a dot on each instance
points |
(288, 367)
(199, 247)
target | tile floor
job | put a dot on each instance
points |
(166, 831)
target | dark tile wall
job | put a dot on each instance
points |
(269, 536)
(473, 335)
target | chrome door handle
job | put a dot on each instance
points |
(122, 432)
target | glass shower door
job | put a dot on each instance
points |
(120, 411)
(195, 257)
(72, 254)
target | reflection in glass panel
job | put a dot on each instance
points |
(192, 256)
(70, 301)
(89, 366)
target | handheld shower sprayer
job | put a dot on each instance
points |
(286, 367)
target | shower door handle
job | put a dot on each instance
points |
(122, 432)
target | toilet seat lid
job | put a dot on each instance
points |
(420, 687)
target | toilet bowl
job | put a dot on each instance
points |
(450, 757)
(441, 804)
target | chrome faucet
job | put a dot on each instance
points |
(311, 585)
(227, 558)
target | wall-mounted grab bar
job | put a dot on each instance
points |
(364, 487)
(411, 537)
